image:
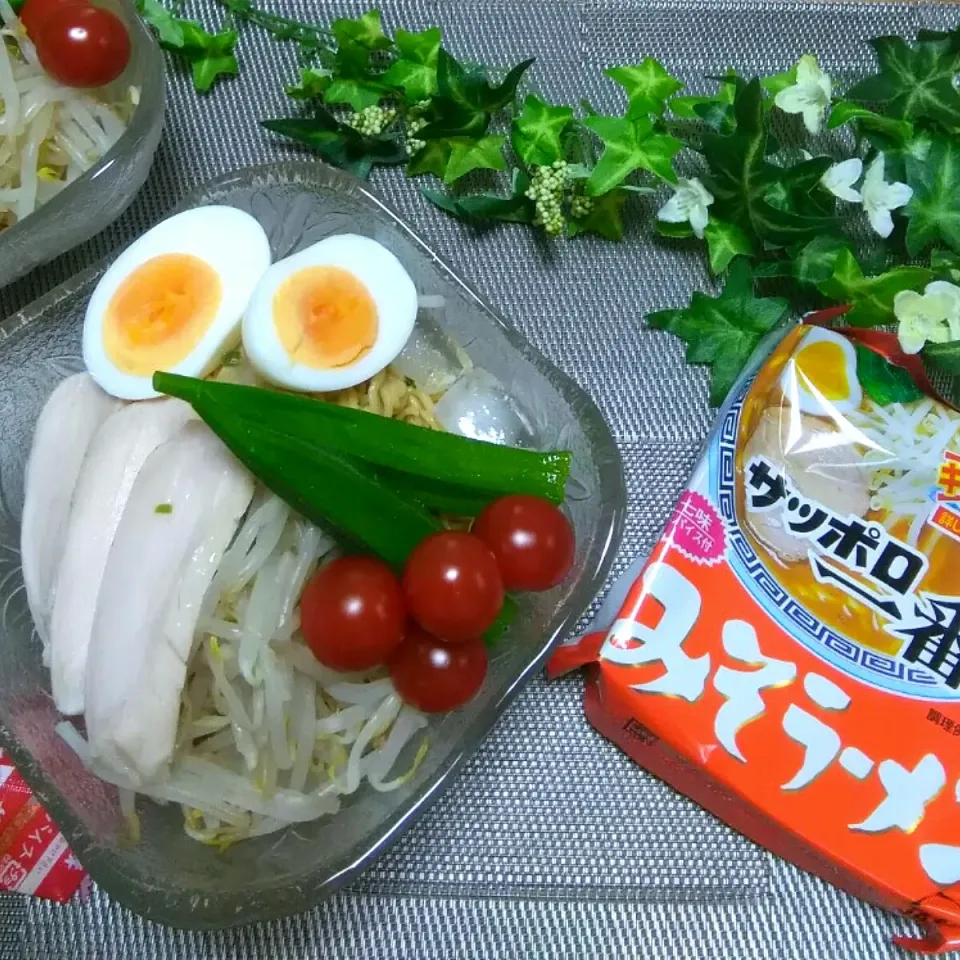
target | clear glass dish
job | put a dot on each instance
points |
(167, 876)
(97, 198)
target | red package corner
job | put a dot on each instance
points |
(34, 856)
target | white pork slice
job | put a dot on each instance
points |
(184, 511)
(65, 428)
(114, 458)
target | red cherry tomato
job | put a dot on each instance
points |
(352, 613)
(531, 539)
(82, 46)
(434, 676)
(453, 587)
(34, 13)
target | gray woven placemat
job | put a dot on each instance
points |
(551, 844)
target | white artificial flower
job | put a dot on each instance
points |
(880, 197)
(930, 317)
(840, 178)
(689, 203)
(809, 96)
(951, 298)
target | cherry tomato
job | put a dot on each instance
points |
(531, 539)
(82, 46)
(453, 587)
(434, 676)
(35, 12)
(352, 613)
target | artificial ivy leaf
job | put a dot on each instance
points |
(717, 115)
(844, 111)
(686, 107)
(218, 62)
(505, 92)
(338, 143)
(916, 82)
(882, 381)
(313, 81)
(673, 231)
(515, 208)
(648, 87)
(629, 145)
(605, 217)
(366, 32)
(451, 119)
(943, 356)
(209, 55)
(802, 176)
(724, 242)
(871, 298)
(815, 262)
(715, 111)
(415, 72)
(934, 209)
(433, 158)
(471, 89)
(946, 265)
(768, 202)
(359, 94)
(536, 133)
(308, 37)
(723, 331)
(466, 155)
(444, 201)
(167, 27)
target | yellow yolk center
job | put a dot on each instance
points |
(325, 317)
(823, 365)
(160, 313)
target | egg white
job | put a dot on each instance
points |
(795, 386)
(385, 279)
(231, 242)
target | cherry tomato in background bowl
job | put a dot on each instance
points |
(352, 613)
(453, 586)
(434, 676)
(34, 13)
(81, 46)
(531, 539)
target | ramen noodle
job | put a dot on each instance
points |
(789, 655)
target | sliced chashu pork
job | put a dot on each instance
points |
(114, 458)
(159, 569)
(822, 462)
(65, 429)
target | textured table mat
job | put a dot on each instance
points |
(551, 844)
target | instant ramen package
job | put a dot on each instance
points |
(789, 655)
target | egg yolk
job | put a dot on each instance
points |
(160, 313)
(325, 317)
(823, 365)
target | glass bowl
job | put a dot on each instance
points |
(96, 199)
(167, 876)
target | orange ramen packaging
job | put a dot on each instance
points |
(789, 655)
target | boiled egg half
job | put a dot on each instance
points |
(174, 299)
(821, 376)
(330, 316)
